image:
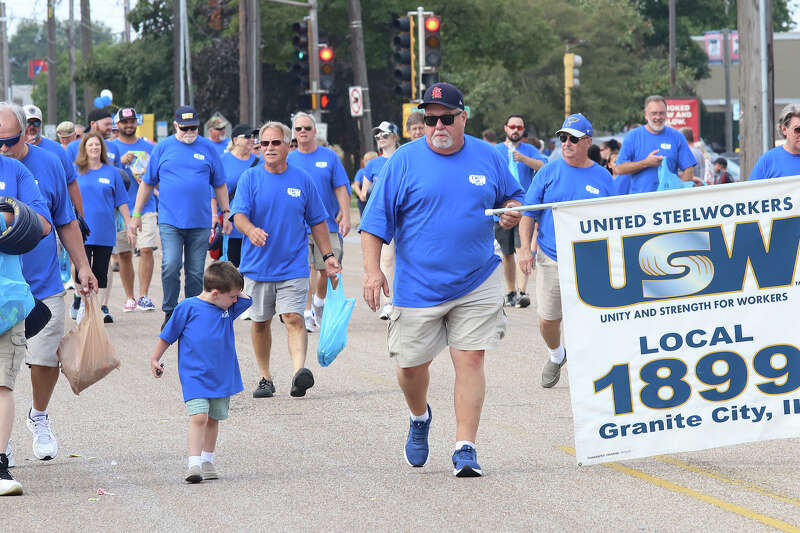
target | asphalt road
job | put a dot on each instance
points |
(333, 461)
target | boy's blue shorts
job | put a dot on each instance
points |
(217, 408)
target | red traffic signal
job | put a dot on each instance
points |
(326, 53)
(324, 101)
(432, 24)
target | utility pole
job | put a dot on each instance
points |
(86, 52)
(360, 73)
(672, 59)
(249, 62)
(73, 100)
(177, 60)
(52, 77)
(726, 34)
(126, 36)
(5, 84)
(187, 52)
(244, 64)
(756, 99)
(313, 61)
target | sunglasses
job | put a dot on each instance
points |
(381, 136)
(10, 141)
(188, 128)
(245, 136)
(301, 128)
(796, 130)
(447, 120)
(35, 123)
(512, 128)
(274, 142)
(563, 138)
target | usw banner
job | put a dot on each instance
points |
(682, 318)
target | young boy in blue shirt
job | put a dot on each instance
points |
(207, 364)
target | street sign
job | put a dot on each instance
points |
(356, 103)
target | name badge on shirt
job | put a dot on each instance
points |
(293, 192)
(666, 146)
(112, 155)
(592, 190)
(322, 164)
(477, 179)
(104, 180)
(225, 314)
(2, 185)
(201, 157)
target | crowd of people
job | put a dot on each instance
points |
(281, 200)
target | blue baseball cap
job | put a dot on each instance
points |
(443, 93)
(577, 125)
(186, 115)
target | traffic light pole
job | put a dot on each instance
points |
(360, 74)
(420, 49)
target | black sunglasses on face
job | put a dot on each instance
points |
(447, 120)
(563, 138)
(10, 141)
(301, 128)
(35, 123)
(188, 128)
(274, 142)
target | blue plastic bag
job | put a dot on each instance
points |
(668, 180)
(335, 317)
(16, 298)
(64, 264)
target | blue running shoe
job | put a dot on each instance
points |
(416, 450)
(145, 304)
(465, 462)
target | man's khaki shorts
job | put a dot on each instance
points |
(146, 238)
(12, 353)
(548, 288)
(269, 297)
(43, 347)
(475, 321)
(315, 256)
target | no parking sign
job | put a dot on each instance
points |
(356, 103)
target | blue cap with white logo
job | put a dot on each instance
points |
(577, 125)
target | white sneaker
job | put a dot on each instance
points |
(308, 317)
(317, 313)
(45, 446)
(385, 312)
(10, 455)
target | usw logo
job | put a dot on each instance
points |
(691, 262)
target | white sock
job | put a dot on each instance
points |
(461, 443)
(194, 460)
(421, 418)
(35, 413)
(557, 356)
(307, 313)
(319, 302)
(207, 457)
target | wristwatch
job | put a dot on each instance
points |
(327, 256)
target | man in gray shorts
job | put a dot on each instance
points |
(430, 198)
(272, 206)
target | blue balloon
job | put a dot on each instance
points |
(106, 100)
(98, 102)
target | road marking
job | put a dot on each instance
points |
(728, 506)
(719, 477)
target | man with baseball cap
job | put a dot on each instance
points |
(572, 177)
(430, 197)
(65, 133)
(216, 133)
(99, 121)
(132, 148)
(182, 167)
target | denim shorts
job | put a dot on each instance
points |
(217, 408)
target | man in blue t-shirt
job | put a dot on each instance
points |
(782, 160)
(430, 198)
(523, 161)
(274, 204)
(572, 177)
(182, 167)
(99, 121)
(330, 178)
(216, 133)
(645, 147)
(41, 270)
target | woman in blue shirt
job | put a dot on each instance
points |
(102, 191)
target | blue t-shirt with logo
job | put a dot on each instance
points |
(282, 205)
(140, 145)
(183, 173)
(775, 163)
(233, 170)
(525, 172)
(325, 168)
(638, 144)
(433, 206)
(111, 151)
(102, 191)
(59, 151)
(373, 168)
(559, 182)
(207, 363)
(219, 146)
(40, 265)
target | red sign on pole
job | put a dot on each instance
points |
(684, 113)
(36, 66)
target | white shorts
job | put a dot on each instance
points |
(43, 347)
(146, 238)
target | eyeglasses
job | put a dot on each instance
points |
(274, 142)
(447, 120)
(10, 141)
(219, 129)
(382, 136)
(301, 128)
(35, 123)
(245, 136)
(518, 128)
(188, 128)
(563, 138)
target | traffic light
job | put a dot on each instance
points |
(433, 51)
(571, 71)
(301, 41)
(325, 102)
(325, 68)
(404, 57)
